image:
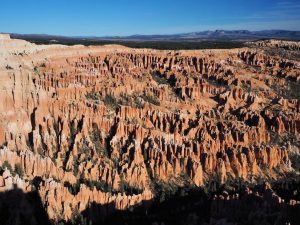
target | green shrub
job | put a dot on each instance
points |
(295, 160)
(111, 101)
(138, 104)
(151, 99)
(19, 170)
(73, 132)
(128, 189)
(158, 79)
(99, 185)
(98, 141)
(7, 165)
(289, 91)
(75, 166)
(92, 96)
(164, 190)
(124, 100)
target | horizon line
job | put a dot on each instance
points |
(154, 34)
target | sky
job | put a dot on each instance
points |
(128, 17)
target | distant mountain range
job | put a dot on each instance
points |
(221, 35)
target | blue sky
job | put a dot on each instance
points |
(126, 17)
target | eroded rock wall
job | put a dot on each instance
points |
(117, 117)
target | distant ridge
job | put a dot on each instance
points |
(192, 36)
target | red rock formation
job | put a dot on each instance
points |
(117, 116)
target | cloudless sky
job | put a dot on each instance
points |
(126, 17)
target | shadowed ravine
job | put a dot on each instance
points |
(185, 206)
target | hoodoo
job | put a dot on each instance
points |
(97, 132)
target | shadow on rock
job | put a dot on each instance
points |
(19, 208)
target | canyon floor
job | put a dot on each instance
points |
(116, 135)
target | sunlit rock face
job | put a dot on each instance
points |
(121, 119)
